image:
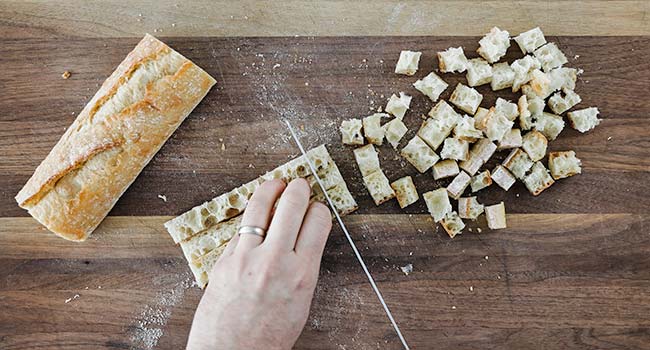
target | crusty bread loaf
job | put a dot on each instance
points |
(118, 132)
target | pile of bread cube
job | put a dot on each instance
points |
(458, 137)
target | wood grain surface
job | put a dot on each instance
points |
(572, 271)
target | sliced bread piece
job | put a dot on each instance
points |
(445, 168)
(518, 162)
(419, 154)
(452, 60)
(481, 181)
(479, 72)
(538, 180)
(398, 106)
(408, 62)
(503, 177)
(367, 159)
(535, 143)
(379, 187)
(530, 40)
(466, 98)
(452, 224)
(564, 164)
(455, 149)
(502, 76)
(496, 216)
(458, 185)
(469, 208)
(494, 45)
(431, 85)
(585, 119)
(351, 132)
(372, 128)
(437, 203)
(394, 131)
(405, 191)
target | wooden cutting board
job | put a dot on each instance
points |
(571, 271)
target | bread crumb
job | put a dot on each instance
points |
(277, 65)
(487, 257)
(408, 268)
(66, 75)
(609, 138)
(576, 57)
(471, 288)
(76, 296)
(453, 307)
(163, 197)
(223, 146)
(478, 229)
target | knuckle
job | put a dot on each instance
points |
(321, 214)
(293, 199)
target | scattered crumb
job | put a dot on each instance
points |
(407, 269)
(576, 57)
(306, 83)
(453, 308)
(478, 229)
(76, 296)
(251, 166)
(487, 257)
(410, 253)
(66, 75)
(471, 288)
(223, 146)
(173, 24)
(609, 138)
(580, 71)
(277, 65)
(163, 197)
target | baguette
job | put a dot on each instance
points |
(114, 137)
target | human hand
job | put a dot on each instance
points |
(261, 288)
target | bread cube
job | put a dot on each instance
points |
(497, 126)
(518, 162)
(538, 180)
(530, 40)
(563, 78)
(496, 216)
(550, 125)
(469, 208)
(466, 98)
(458, 185)
(431, 85)
(444, 113)
(455, 149)
(434, 132)
(534, 143)
(367, 159)
(408, 62)
(342, 199)
(502, 76)
(453, 224)
(540, 84)
(445, 168)
(585, 119)
(559, 104)
(481, 181)
(525, 116)
(550, 56)
(512, 139)
(379, 187)
(452, 60)
(503, 177)
(437, 203)
(351, 132)
(394, 131)
(372, 128)
(523, 68)
(421, 156)
(494, 44)
(479, 154)
(405, 191)
(479, 72)
(507, 108)
(397, 106)
(465, 129)
(564, 164)
(481, 118)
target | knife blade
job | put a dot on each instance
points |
(349, 238)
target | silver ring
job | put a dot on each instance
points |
(253, 230)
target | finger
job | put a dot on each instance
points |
(258, 213)
(231, 245)
(314, 232)
(288, 215)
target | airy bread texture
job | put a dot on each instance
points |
(496, 216)
(481, 181)
(479, 72)
(452, 60)
(563, 164)
(535, 143)
(367, 159)
(538, 180)
(437, 203)
(507, 108)
(372, 128)
(479, 154)
(351, 132)
(512, 139)
(585, 119)
(518, 162)
(502, 177)
(405, 191)
(502, 76)
(560, 104)
(550, 57)
(469, 208)
(494, 45)
(394, 131)
(458, 185)
(523, 68)
(550, 125)
(118, 132)
(452, 223)
(466, 130)
(421, 156)
(497, 125)
(455, 149)
(466, 98)
(445, 168)
(431, 85)
(379, 187)
(398, 106)
(530, 40)
(408, 62)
